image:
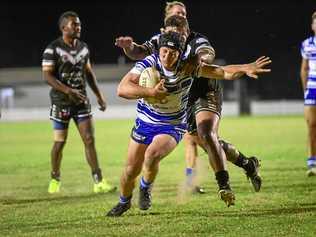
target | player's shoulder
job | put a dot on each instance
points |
(309, 41)
(197, 37)
(156, 36)
(82, 43)
(54, 44)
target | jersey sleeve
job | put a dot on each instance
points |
(303, 52)
(200, 43)
(140, 66)
(152, 44)
(87, 53)
(49, 56)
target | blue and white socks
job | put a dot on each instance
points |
(311, 162)
(190, 174)
(144, 184)
(125, 200)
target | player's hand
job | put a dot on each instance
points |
(253, 69)
(102, 103)
(124, 42)
(159, 92)
(76, 96)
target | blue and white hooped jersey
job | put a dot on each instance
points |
(308, 51)
(174, 110)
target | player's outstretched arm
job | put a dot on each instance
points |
(129, 88)
(131, 49)
(233, 72)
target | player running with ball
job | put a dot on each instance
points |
(160, 126)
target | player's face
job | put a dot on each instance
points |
(168, 57)
(178, 10)
(314, 25)
(73, 28)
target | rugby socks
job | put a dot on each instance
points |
(55, 175)
(311, 162)
(125, 200)
(243, 162)
(222, 178)
(144, 184)
(97, 175)
(190, 173)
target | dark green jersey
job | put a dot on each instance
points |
(69, 67)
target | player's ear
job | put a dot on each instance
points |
(162, 30)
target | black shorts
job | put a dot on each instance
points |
(63, 113)
(211, 101)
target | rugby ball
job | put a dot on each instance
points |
(149, 78)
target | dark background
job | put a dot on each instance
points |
(240, 31)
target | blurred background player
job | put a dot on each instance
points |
(205, 102)
(159, 126)
(67, 69)
(308, 77)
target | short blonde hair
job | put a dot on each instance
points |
(314, 16)
(169, 5)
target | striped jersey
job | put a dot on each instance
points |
(177, 85)
(194, 43)
(308, 51)
(69, 66)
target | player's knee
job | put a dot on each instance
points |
(88, 139)
(208, 137)
(59, 145)
(152, 158)
(311, 124)
(152, 155)
(190, 139)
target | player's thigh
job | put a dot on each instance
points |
(85, 127)
(160, 147)
(60, 131)
(82, 116)
(310, 115)
(60, 116)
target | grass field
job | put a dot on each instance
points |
(286, 205)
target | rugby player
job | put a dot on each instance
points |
(66, 68)
(205, 101)
(159, 127)
(308, 77)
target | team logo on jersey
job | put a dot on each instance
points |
(67, 57)
(171, 44)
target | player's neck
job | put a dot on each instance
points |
(71, 42)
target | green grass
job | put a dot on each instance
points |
(286, 205)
